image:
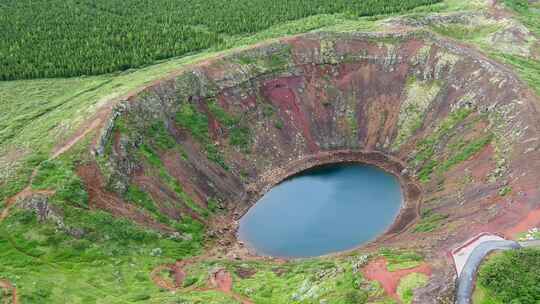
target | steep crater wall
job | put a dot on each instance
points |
(458, 129)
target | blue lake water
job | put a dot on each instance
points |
(322, 210)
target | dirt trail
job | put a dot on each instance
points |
(175, 270)
(4, 284)
(377, 271)
(220, 280)
(26, 192)
(98, 121)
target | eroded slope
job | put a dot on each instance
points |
(221, 134)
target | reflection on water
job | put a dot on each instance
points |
(324, 210)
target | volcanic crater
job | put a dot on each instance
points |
(457, 129)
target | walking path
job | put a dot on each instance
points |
(462, 253)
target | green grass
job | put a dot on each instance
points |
(426, 148)
(239, 135)
(400, 259)
(511, 277)
(476, 34)
(110, 263)
(152, 158)
(160, 136)
(429, 221)
(531, 234)
(526, 14)
(504, 191)
(526, 68)
(137, 196)
(60, 175)
(432, 161)
(308, 281)
(408, 284)
(465, 153)
(480, 296)
(194, 121)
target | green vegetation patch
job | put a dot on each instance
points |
(161, 137)
(239, 134)
(59, 176)
(408, 284)
(400, 259)
(82, 256)
(527, 14)
(412, 112)
(197, 124)
(526, 68)
(465, 152)
(429, 221)
(139, 197)
(530, 235)
(153, 159)
(193, 120)
(477, 34)
(425, 157)
(511, 277)
(308, 281)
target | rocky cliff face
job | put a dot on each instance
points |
(447, 120)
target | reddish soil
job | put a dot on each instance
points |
(4, 284)
(160, 281)
(221, 280)
(100, 198)
(176, 272)
(26, 192)
(377, 271)
(530, 221)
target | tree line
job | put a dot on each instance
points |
(63, 38)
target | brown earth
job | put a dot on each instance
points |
(10, 289)
(26, 192)
(376, 271)
(100, 198)
(531, 220)
(220, 280)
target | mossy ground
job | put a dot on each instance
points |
(407, 285)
